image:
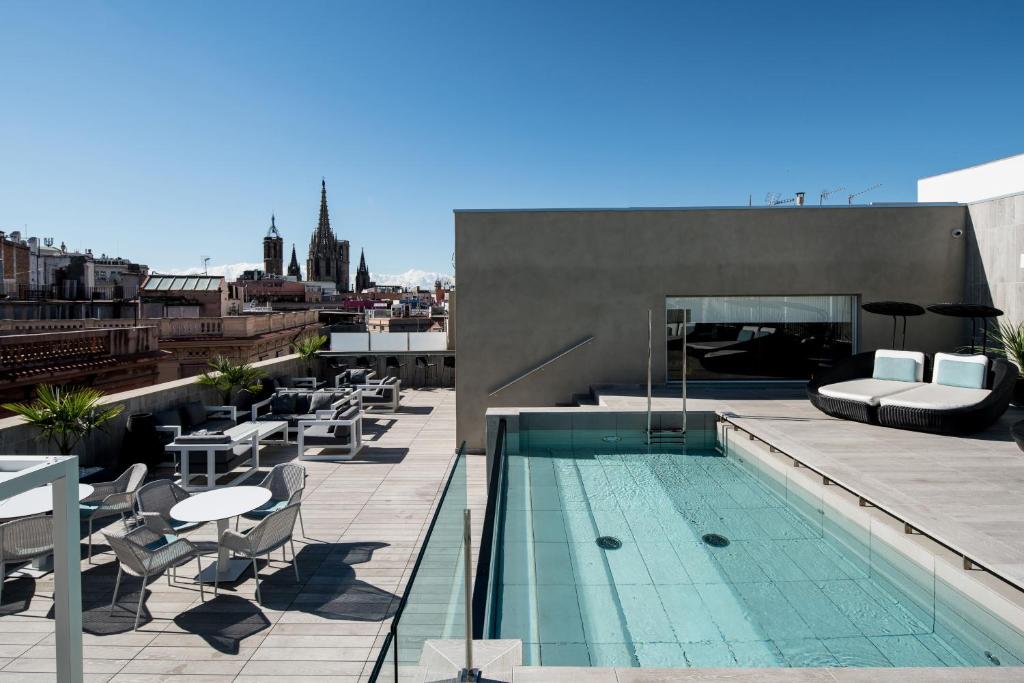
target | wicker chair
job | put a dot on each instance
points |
(275, 531)
(111, 498)
(285, 482)
(23, 540)
(154, 502)
(145, 553)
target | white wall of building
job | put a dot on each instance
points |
(976, 183)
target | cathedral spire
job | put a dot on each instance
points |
(293, 267)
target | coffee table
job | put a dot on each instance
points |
(35, 502)
(248, 435)
(220, 506)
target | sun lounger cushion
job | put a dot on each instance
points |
(955, 370)
(900, 366)
(867, 390)
(283, 403)
(936, 397)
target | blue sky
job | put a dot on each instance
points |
(165, 132)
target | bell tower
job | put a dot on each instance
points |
(273, 251)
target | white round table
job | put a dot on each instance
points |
(35, 502)
(220, 505)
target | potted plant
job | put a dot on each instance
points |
(1008, 340)
(226, 376)
(306, 348)
(65, 415)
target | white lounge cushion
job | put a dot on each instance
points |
(866, 390)
(960, 370)
(936, 397)
(884, 355)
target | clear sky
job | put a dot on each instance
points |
(168, 131)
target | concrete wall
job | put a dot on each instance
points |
(104, 446)
(975, 183)
(995, 261)
(531, 283)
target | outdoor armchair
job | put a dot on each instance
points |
(154, 502)
(145, 553)
(275, 531)
(24, 539)
(111, 498)
(285, 482)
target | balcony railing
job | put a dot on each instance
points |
(175, 328)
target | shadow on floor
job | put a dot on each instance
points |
(18, 595)
(381, 456)
(415, 410)
(329, 587)
(224, 622)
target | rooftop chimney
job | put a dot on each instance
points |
(799, 198)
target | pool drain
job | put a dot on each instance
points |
(715, 540)
(609, 543)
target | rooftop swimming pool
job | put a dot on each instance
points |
(608, 553)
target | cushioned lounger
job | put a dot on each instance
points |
(868, 390)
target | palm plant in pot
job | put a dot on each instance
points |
(65, 415)
(1008, 340)
(306, 348)
(227, 377)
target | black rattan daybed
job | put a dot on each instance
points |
(999, 383)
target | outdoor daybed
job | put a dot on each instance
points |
(954, 394)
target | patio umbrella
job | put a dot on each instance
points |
(895, 309)
(972, 311)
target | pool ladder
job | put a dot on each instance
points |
(664, 435)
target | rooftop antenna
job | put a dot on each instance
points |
(205, 260)
(825, 194)
(849, 199)
(774, 199)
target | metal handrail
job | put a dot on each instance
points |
(392, 636)
(549, 361)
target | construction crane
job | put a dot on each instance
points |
(849, 198)
(825, 194)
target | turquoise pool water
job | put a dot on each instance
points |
(787, 590)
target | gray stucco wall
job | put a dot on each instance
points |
(994, 248)
(533, 282)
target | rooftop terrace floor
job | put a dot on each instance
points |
(365, 520)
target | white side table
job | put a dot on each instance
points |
(220, 505)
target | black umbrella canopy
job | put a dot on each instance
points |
(900, 308)
(972, 311)
(895, 309)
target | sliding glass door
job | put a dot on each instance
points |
(758, 337)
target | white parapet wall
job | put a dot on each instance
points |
(975, 183)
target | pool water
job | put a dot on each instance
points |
(776, 589)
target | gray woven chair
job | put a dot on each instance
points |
(285, 482)
(154, 502)
(275, 531)
(145, 553)
(111, 498)
(23, 540)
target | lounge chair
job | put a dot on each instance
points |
(958, 394)
(344, 432)
(385, 393)
(294, 405)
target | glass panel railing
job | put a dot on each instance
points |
(433, 602)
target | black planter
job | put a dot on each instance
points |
(141, 443)
(1018, 392)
